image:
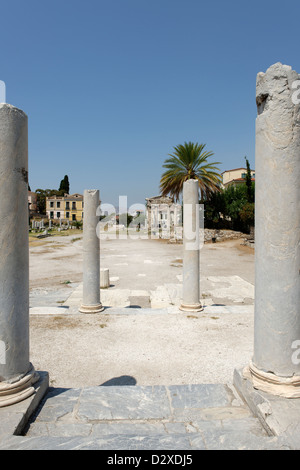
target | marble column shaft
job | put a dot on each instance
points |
(277, 228)
(14, 245)
(91, 254)
(191, 247)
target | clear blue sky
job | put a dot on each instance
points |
(110, 87)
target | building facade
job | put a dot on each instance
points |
(235, 177)
(162, 213)
(32, 203)
(65, 208)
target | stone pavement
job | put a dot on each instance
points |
(230, 293)
(185, 417)
(120, 416)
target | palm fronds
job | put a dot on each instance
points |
(189, 161)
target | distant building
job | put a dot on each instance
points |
(65, 208)
(236, 176)
(162, 213)
(32, 203)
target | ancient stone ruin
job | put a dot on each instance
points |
(274, 368)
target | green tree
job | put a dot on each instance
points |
(249, 184)
(42, 194)
(235, 199)
(64, 185)
(232, 207)
(238, 208)
(247, 214)
(214, 206)
(189, 161)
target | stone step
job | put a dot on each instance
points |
(221, 440)
(184, 417)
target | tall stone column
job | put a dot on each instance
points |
(275, 367)
(17, 374)
(191, 248)
(91, 254)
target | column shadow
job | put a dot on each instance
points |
(122, 380)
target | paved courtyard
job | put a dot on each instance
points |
(140, 268)
(141, 337)
(169, 379)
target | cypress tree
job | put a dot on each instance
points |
(65, 185)
(248, 180)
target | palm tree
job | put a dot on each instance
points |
(189, 161)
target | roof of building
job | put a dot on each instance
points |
(67, 197)
(160, 198)
(73, 196)
(234, 169)
(238, 179)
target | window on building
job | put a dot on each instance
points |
(74, 217)
(51, 215)
(74, 206)
(67, 205)
(58, 204)
(67, 215)
(58, 215)
(51, 204)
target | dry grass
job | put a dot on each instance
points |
(64, 322)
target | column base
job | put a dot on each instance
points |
(12, 393)
(91, 308)
(288, 387)
(191, 307)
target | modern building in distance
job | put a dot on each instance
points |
(236, 176)
(65, 208)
